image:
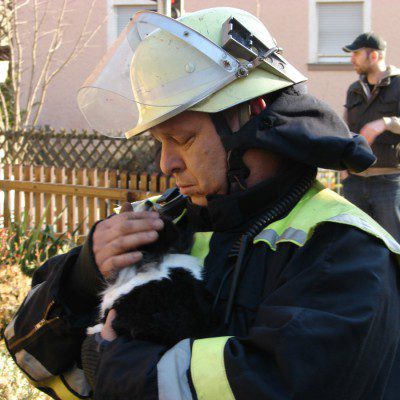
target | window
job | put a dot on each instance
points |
(333, 24)
(121, 12)
(5, 55)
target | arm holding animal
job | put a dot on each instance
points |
(313, 312)
(64, 301)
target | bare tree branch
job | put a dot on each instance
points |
(77, 49)
(5, 118)
(28, 65)
(22, 5)
(44, 13)
(34, 48)
(16, 64)
(39, 84)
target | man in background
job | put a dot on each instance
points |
(373, 110)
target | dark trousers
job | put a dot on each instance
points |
(378, 196)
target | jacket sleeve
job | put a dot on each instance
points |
(44, 338)
(327, 330)
(392, 124)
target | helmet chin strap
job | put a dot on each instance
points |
(237, 169)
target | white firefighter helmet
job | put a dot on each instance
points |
(207, 61)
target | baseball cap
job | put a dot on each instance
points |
(370, 40)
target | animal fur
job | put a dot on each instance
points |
(161, 299)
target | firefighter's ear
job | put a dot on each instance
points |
(257, 106)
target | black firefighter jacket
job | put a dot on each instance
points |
(320, 321)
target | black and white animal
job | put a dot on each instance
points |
(161, 299)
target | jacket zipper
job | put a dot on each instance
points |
(43, 322)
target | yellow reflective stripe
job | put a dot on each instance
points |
(317, 206)
(207, 368)
(201, 245)
(291, 235)
(57, 385)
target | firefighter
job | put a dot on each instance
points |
(304, 284)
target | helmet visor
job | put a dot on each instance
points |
(157, 68)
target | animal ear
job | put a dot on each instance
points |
(170, 233)
(166, 239)
(126, 207)
(175, 238)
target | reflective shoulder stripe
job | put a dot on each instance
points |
(172, 373)
(269, 236)
(317, 206)
(370, 228)
(208, 371)
(201, 245)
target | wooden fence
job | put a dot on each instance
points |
(71, 199)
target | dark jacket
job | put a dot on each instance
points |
(363, 106)
(316, 321)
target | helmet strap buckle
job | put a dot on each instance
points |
(237, 170)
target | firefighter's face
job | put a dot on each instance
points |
(193, 154)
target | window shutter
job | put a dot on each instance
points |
(125, 13)
(338, 25)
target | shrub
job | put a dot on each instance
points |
(14, 286)
(22, 250)
(29, 247)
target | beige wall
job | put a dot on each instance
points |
(288, 22)
(60, 109)
(385, 20)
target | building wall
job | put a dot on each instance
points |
(60, 109)
(288, 22)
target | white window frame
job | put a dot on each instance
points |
(112, 5)
(313, 26)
